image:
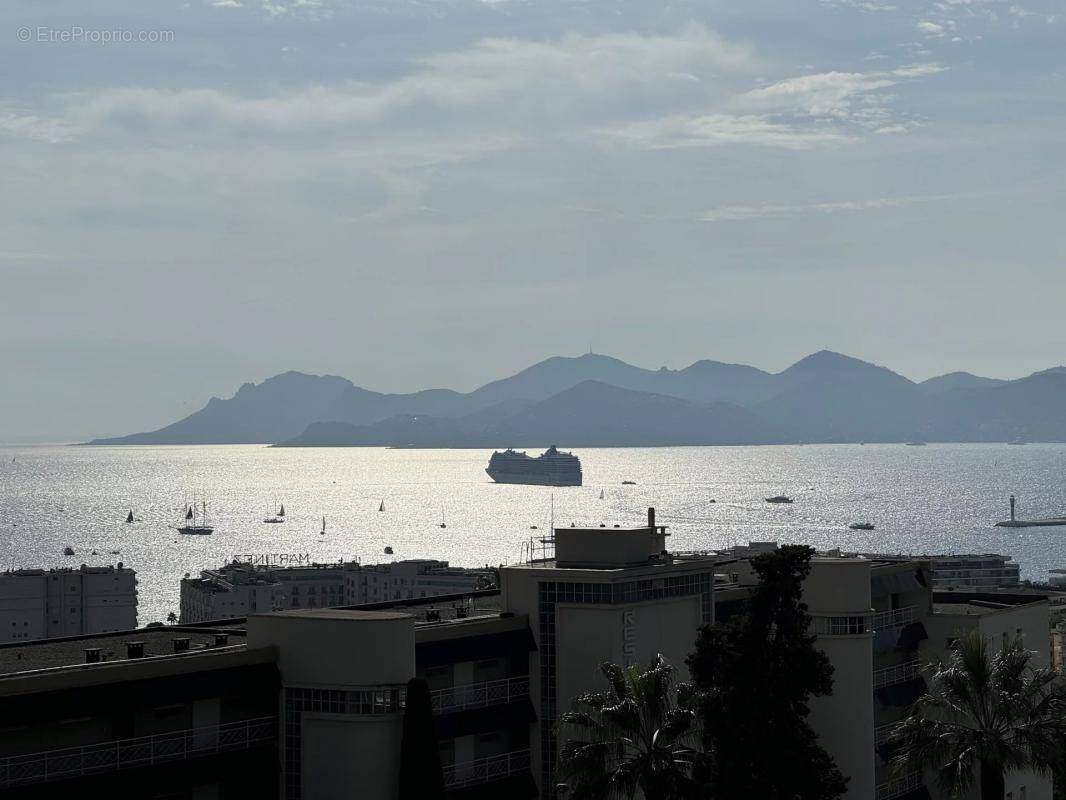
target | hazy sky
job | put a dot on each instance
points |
(417, 193)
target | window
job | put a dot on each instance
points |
(1021, 793)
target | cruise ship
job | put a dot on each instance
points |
(551, 468)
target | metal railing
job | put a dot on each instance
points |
(883, 734)
(890, 676)
(900, 787)
(478, 695)
(93, 759)
(484, 770)
(897, 618)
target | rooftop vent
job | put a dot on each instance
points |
(432, 615)
(221, 639)
(461, 611)
(134, 649)
(92, 655)
(181, 645)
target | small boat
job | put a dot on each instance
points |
(114, 552)
(915, 444)
(129, 517)
(861, 526)
(388, 551)
(93, 553)
(779, 498)
(629, 483)
(532, 527)
(68, 550)
(382, 506)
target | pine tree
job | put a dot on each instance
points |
(756, 675)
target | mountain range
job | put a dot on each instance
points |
(595, 400)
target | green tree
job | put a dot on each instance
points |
(756, 674)
(639, 734)
(987, 713)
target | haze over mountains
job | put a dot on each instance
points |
(596, 400)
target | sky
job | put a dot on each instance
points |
(438, 193)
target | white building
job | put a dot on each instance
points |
(42, 604)
(974, 572)
(238, 589)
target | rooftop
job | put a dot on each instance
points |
(70, 650)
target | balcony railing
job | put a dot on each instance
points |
(900, 787)
(883, 734)
(478, 695)
(897, 618)
(120, 754)
(484, 770)
(901, 673)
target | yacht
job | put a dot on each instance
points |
(194, 525)
(780, 498)
(861, 526)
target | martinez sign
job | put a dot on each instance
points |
(274, 559)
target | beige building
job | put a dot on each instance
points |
(604, 594)
(41, 604)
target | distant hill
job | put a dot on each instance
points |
(825, 397)
(591, 414)
(957, 380)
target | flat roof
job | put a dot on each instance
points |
(70, 651)
(342, 614)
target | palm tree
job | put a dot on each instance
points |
(987, 713)
(637, 735)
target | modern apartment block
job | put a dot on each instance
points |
(41, 604)
(974, 572)
(238, 589)
(881, 623)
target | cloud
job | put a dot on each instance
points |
(739, 213)
(930, 28)
(706, 130)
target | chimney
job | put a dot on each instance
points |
(134, 649)
(651, 518)
(181, 645)
(221, 639)
(92, 655)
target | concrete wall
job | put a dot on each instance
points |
(351, 757)
(844, 721)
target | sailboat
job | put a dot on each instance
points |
(442, 517)
(191, 526)
(323, 531)
(382, 506)
(129, 517)
(601, 494)
(279, 516)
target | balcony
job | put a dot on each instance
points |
(122, 754)
(486, 770)
(479, 695)
(884, 734)
(897, 618)
(900, 673)
(900, 787)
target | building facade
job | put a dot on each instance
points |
(239, 589)
(42, 604)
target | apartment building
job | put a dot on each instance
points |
(41, 604)
(239, 588)
(974, 572)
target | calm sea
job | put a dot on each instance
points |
(938, 498)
